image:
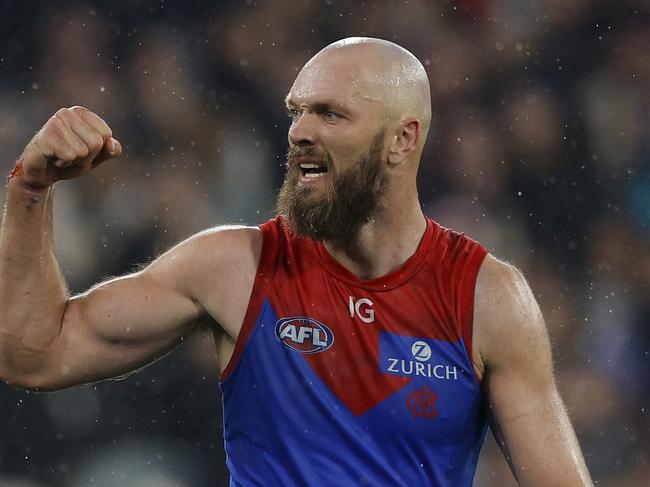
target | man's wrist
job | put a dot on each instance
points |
(17, 178)
(18, 170)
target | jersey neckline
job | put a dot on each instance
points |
(393, 279)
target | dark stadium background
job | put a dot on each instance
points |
(540, 149)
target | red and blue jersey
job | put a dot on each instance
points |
(340, 381)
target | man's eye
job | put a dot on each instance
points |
(332, 116)
(293, 113)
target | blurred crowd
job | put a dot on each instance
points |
(540, 149)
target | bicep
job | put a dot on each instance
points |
(122, 324)
(127, 322)
(526, 411)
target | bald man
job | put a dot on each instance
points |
(360, 343)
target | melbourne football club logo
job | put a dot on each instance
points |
(422, 403)
(304, 335)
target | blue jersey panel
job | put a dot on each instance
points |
(285, 427)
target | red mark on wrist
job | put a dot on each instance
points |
(17, 170)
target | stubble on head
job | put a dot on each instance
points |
(350, 201)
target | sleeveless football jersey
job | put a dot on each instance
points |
(338, 381)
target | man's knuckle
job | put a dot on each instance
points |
(68, 154)
(65, 115)
(55, 124)
(96, 142)
(50, 134)
(83, 151)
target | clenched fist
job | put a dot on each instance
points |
(72, 142)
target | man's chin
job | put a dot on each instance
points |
(312, 194)
(307, 225)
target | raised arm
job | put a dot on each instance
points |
(527, 415)
(49, 340)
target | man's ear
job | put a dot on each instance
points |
(404, 141)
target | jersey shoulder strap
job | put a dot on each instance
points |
(459, 259)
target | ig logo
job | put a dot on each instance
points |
(362, 308)
(421, 351)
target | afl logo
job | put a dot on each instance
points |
(304, 335)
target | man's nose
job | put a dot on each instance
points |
(302, 131)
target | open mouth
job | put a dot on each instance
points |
(312, 170)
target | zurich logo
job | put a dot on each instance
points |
(304, 335)
(421, 351)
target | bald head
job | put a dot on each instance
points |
(381, 72)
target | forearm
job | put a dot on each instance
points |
(33, 293)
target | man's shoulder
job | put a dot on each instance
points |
(505, 306)
(501, 288)
(496, 273)
(226, 235)
(222, 238)
(209, 262)
(221, 248)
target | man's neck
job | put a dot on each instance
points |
(383, 244)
